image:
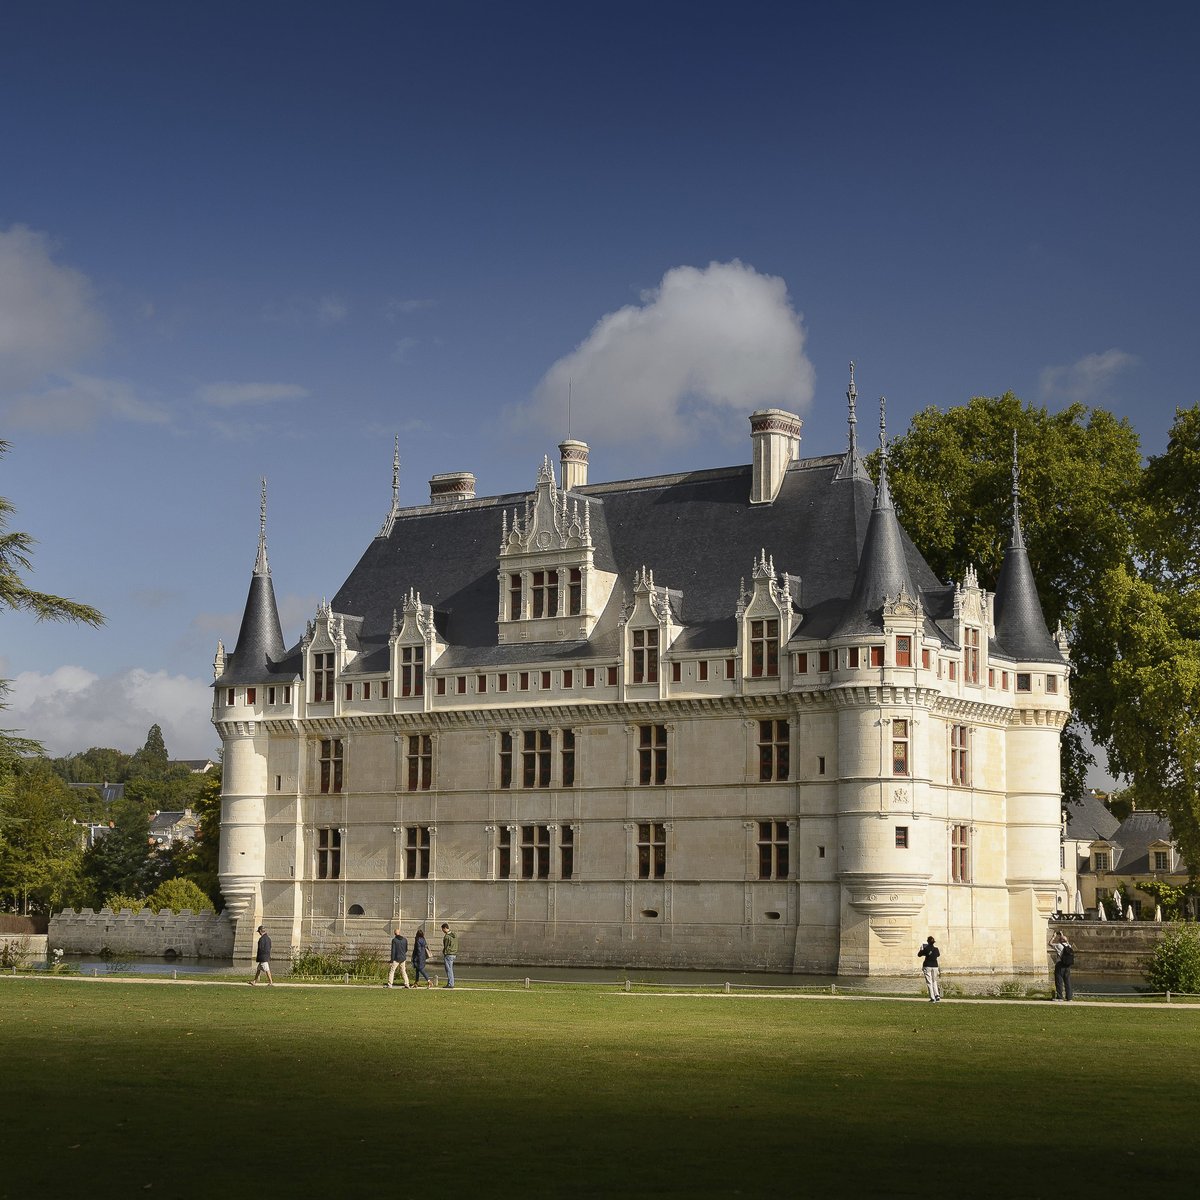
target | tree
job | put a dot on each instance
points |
(1082, 513)
(198, 860)
(16, 594)
(1175, 964)
(40, 848)
(121, 862)
(151, 761)
(100, 764)
(178, 894)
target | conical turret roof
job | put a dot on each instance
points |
(1020, 625)
(260, 639)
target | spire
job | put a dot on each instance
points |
(883, 494)
(852, 466)
(883, 573)
(1020, 624)
(261, 566)
(260, 639)
(1018, 536)
(390, 519)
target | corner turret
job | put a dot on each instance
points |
(883, 573)
(1020, 625)
(260, 639)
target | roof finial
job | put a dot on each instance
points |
(852, 400)
(390, 520)
(261, 567)
(883, 496)
(1018, 536)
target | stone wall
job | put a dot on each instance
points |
(1111, 947)
(29, 947)
(187, 934)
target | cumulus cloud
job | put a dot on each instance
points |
(330, 309)
(48, 315)
(72, 708)
(237, 395)
(1087, 380)
(704, 347)
(77, 402)
(395, 309)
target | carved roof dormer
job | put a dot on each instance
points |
(326, 633)
(772, 595)
(650, 603)
(973, 604)
(552, 520)
(415, 624)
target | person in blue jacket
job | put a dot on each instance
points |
(419, 956)
(399, 959)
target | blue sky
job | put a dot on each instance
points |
(265, 238)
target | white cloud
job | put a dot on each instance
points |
(330, 309)
(235, 395)
(48, 316)
(72, 708)
(1087, 380)
(394, 309)
(404, 347)
(76, 402)
(705, 346)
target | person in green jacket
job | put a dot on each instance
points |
(449, 950)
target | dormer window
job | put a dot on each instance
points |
(515, 596)
(645, 656)
(412, 671)
(1161, 860)
(971, 655)
(322, 678)
(545, 593)
(575, 592)
(764, 649)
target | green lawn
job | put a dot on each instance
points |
(127, 1089)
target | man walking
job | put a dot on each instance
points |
(449, 950)
(930, 953)
(399, 959)
(262, 958)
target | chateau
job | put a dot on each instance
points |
(725, 718)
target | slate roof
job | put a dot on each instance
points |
(696, 531)
(1020, 625)
(1090, 820)
(1137, 833)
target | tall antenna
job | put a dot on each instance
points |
(396, 475)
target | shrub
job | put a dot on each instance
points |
(1175, 964)
(319, 964)
(117, 902)
(178, 894)
(1007, 989)
(366, 964)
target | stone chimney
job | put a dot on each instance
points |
(451, 487)
(775, 437)
(573, 461)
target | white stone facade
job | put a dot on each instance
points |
(618, 779)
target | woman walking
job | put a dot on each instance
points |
(419, 955)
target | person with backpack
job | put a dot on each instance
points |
(1063, 954)
(930, 953)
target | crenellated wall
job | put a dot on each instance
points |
(188, 934)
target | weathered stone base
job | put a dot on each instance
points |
(185, 934)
